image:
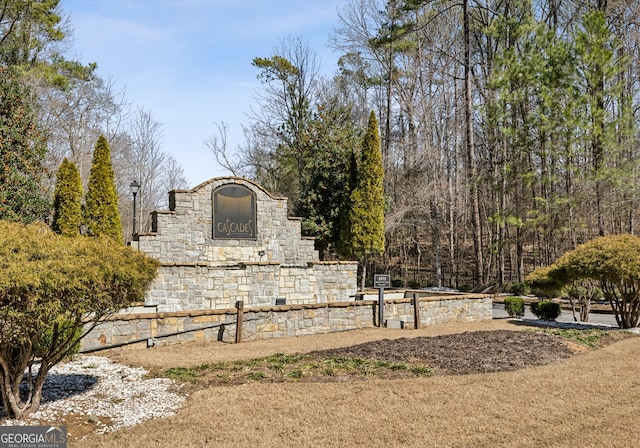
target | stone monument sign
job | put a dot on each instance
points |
(228, 239)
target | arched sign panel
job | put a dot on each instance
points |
(234, 213)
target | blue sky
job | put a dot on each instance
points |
(188, 62)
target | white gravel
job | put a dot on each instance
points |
(96, 386)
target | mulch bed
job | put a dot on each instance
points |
(465, 353)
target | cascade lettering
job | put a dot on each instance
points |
(229, 227)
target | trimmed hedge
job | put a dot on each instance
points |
(546, 310)
(514, 306)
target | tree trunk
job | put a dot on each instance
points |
(471, 155)
(437, 244)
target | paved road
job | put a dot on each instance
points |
(595, 318)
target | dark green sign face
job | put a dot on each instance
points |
(234, 213)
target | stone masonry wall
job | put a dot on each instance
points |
(201, 286)
(281, 321)
(200, 272)
(184, 233)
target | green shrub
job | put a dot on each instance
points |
(396, 283)
(613, 263)
(51, 288)
(413, 284)
(514, 306)
(546, 310)
(67, 200)
(519, 289)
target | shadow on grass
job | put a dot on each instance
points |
(561, 325)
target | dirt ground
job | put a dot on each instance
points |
(192, 354)
(494, 385)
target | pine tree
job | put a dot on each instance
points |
(101, 202)
(366, 215)
(22, 151)
(67, 200)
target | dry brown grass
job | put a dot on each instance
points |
(590, 400)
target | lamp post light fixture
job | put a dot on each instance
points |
(135, 186)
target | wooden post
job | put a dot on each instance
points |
(416, 311)
(240, 312)
(380, 307)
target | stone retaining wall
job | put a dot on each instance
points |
(202, 286)
(281, 321)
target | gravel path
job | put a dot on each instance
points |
(112, 395)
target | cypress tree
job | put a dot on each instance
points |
(101, 213)
(67, 200)
(366, 215)
(22, 150)
(343, 245)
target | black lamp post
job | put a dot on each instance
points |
(135, 186)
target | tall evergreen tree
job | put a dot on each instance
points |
(366, 215)
(22, 151)
(67, 200)
(101, 202)
(26, 28)
(602, 114)
(332, 135)
(343, 245)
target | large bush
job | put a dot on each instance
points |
(54, 290)
(613, 262)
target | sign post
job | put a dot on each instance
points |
(381, 281)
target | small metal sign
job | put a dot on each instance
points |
(382, 281)
(33, 436)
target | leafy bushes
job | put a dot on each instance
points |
(519, 289)
(612, 263)
(514, 306)
(546, 310)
